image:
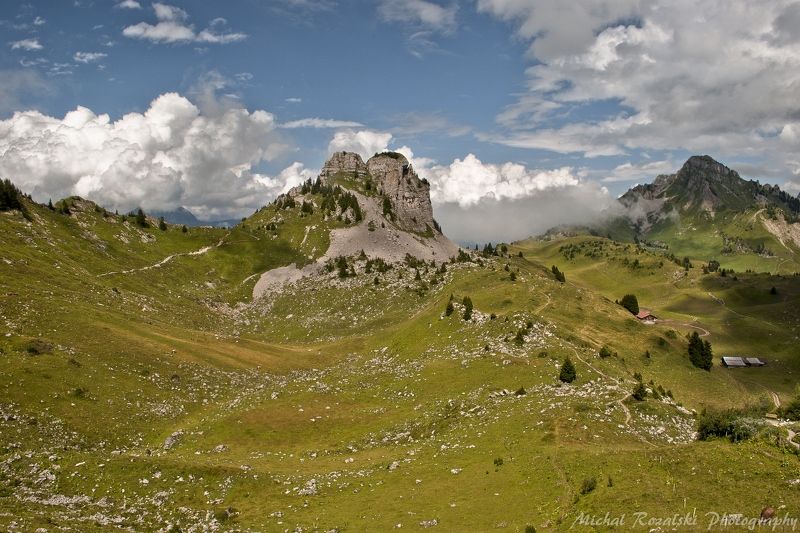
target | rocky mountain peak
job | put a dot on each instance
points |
(404, 196)
(701, 183)
(409, 195)
(707, 168)
(347, 162)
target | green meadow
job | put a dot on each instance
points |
(143, 389)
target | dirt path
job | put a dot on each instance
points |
(753, 218)
(542, 307)
(778, 424)
(775, 399)
(721, 302)
(167, 259)
(717, 299)
(621, 401)
(791, 434)
(667, 322)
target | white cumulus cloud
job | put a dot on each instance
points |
(163, 32)
(168, 12)
(171, 155)
(291, 176)
(129, 4)
(482, 202)
(172, 27)
(467, 181)
(366, 143)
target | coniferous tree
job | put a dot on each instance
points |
(161, 224)
(604, 352)
(639, 391)
(184, 229)
(467, 307)
(708, 356)
(558, 274)
(567, 373)
(700, 353)
(341, 264)
(631, 303)
(141, 220)
(10, 196)
(695, 349)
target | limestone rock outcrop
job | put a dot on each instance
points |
(347, 162)
(406, 227)
(394, 178)
(410, 195)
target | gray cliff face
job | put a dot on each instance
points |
(410, 196)
(395, 179)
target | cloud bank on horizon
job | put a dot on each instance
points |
(171, 155)
(610, 93)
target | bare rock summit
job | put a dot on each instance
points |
(405, 197)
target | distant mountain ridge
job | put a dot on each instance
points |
(707, 211)
(704, 185)
(183, 216)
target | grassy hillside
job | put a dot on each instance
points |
(150, 393)
(737, 310)
(740, 240)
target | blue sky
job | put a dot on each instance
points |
(537, 103)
